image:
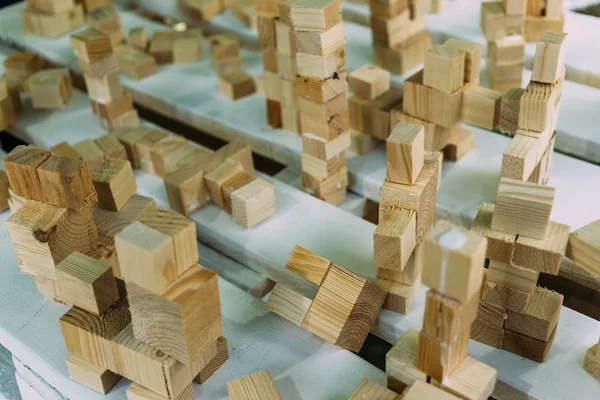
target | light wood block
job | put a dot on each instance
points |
(367, 389)
(253, 203)
(138, 37)
(378, 113)
(361, 143)
(321, 66)
(591, 362)
(513, 276)
(540, 317)
(111, 148)
(411, 272)
(258, 386)
(404, 57)
(104, 89)
(422, 390)
(436, 137)
(584, 247)
(113, 109)
(146, 257)
(217, 362)
(486, 335)
(490, 315)
(446, 319)
(91, 153)
(527, 347)
(322, 89)
(288, 304)
(308, 265)
(501, 245)
(135, 63)
(323, 169)
(115, 184)
(505, 297)
(472, 52)
(391, 32)
(405, 153)
(223, 48)
(186, 189)
(236, 182)
(444, 68)
(164, 154)
(537, 107)
(323, 149)
(520, 157)
(91, 45)
(459, 145)
(235, 151)
(203, 10)
(236, 84)
(50, 88)
(321, 43)
(66, 182)
(549, 58)
(52, 25)
(315, 15)
(138, 392)
(481, 107)
(395, 239)
(492, 21)
(143, 148)
(369, 82)
(544, 255)
(329, 127)
(217, 177)
(21, 166)
(64, 149)
(4, 191)
(399, 296)
(509, 111)
(104, 18)
(91, 375)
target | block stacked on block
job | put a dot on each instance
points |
(368, 389)
(176, 47)
(52, 18)
(584, 247)
(343, 310)
(95, 51)
(234, 81)
(107, 20)
(543, 16)
(399, 37)
(529, 155)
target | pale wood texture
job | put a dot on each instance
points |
(64, 149)
(512, 275)
(540, 317)
(509, 111)
(444, 68)
(51, 88)
(486, 335)
(395, 239)
(472, 53)
(21, 167)
(490, 315)
(114, 183)
(4, 191)
(138, 392)
(91, 45)
(258, 386)
(527, 347)
(308, 265)
(369, 82)
(492, 20)
(544, 255)
(399, 296)
(500, 244)
(505, 297)
(436, 137)
(367, 389)
(138, 37)
(411, 272)
(135, 63)
(321, 43)
(236, 84)
(445, 319)
(591, 362)
(584, 247)
(325, 149)
(66, 182)
(459, 145)
(481, 107)
(424, 391)
(253, 203)
(537, 108)
(405, 153)
(288, 304)
(438, 359)
(186, 189)
(91, 375)
(218, 176)
(217, 362)
(315, 15)
(549, 58)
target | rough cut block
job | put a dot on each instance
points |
(367, 389)
(66, 182)
(395, 239)
(332, 122)
(236, 84)
(163, 151)
(500, 244)
(115, 184)
(86, 283)
(217, 177)
(321, 43)
(170, 321)
(453, 261)
(472, 53)
(490, 315)
(319, 147)
(288, 304)
(584, 247)
(526, 346)
(21, 166)
(315, 15)
(104, 89)
(505, 297)
(308, 265)
(411, 272)
(523, 208)
(258, 386)
(217, 362)
(369, 82)
(425, 391)
(322, 169)
(186, 189)
(492, 20)
(113, 109)
(549, 58)
(91, 375)
(146, 257)
(322, 89)
(405, 153)
(91, 45)
(444, 68)
(537, 106)
(253, 203)
(540, 317)
(544, 255)
(513, 276)
(143, 148)
(509, 111)
(520, 157)
(203, 10)
(135, 63)
(50, 88)
(486, 335)
(90, 152)
(591, 361)
(138, 392)
(399, 296)
(446, 319)
(481, 107)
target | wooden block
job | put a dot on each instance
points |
(138, 38)
(422, 390)
(223, 48)
(91, 45)
(50, 88)
(322, 89)
(515, 7)
(215, 179)
(492, 20)
(378, 113)
(135, 63)
(86, 283)
(64, 149)
(584, 247)
(439, 360)
(66, 182)
(52, 25)
(253, 203)
(369, 82)
(319, 147)
(520, 157)
(481, 107)
(504, 297)
(186, 48)
(399, 296)
(500, 244)
(540, 317)
(21, 166)
(235, 151)
(166, 321)
(436, 137)
(453, 260)
(51, 6)
(257, 386)
(285, 38)
(404, 57)
(527, 347)
(163, 151)
(138, 392)
(513, 276)
(446, 319)
(146, 257)
(401, 360)
(322, 188)
(104, 18)
(509, 50)
(203, 10)
(111, 147)
(509, 111)
(143, 147)
(4, 191)
(288, 304)
(308, 265)
(321, 43)
(267, 7)
(591, 362)
(544, 255)
(472, 52)
(490, 316)
(323, 169)
(231, 185)
(405, 153)
(444, 68)
(217, 362)
(344, 309)
(549, 57)
(390, 32)
(395, 239)
(367, 389)
(90, 152)
(236, 84)
(274, 114)
(104, 89)
(537, 106)
(411, 272)
(321, 66)
(186, 189)
(486, 335)
(387, 8)
(91, 375)
(113, 109)
(129, 119)
(361, 143)
(315, 15)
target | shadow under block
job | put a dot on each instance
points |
(308, 265)
(135, 63)
(453, 260)
(253, 203)
(527, 347)
(395, 239)
(549, 57)
(584, 247)
(114, 184)
(481, 107)
(367, 389)
(501, 245)
(472, 53)
(50, 88)
(524, 279)
(258, 386)
(369, 82)
(90, 375)
(21, 166)
(66, 182)
(425, 391)
(544, 255)
(405, 153)
(138, 392)
(43, 235)
(170, 321)
(344, 309)
(459, 145)
(444, 69)
(540, 317)
(591, 361)
(288, 304)
(86, 283)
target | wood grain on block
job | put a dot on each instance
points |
(445, 319)
(21, 166)
(361, 143)
(549, 58)
(135, 63)
(526, 346)
(509, 50)
(401, 360)
(320, 66)
(509, 111)
(236, 84)
(387, 8)
(66, 182)
(511, 275)
(395, 239)
(500, 244)
(235, 151)
(146, 257)
(544, 255)
(459, 145)
(288, 304)
(591, 362)
(481, 107)
(537, 106)
(323, 169)
(378, 113)
(321, 43)
(186, 189)
(285, 38)
(411, 272)
(224, 47)
(101, 67)
(202, 10)
(110, 147)
(515, 7)
(104, 89)
(540, 317)
(520, 157)
(308, 265)
(490, 315)
(472, 52)
(369, 82)
(584, 247)
(422, 391)
(167, 321)
(484, 334)
(104, 18)
(323, 149)
(4, 191)
(405, 153)
(86, 283)
(90, 152)
(234, 183)
(315, 15)
(218, 176)
(114, 183)
(52, 25)
(138, 37)
(138, 392)
(217, 362)
(390, 32)
(253, 203)
(505, 297)
(166, 153)
(367, 389)
(405, 56)
(358, 115)
(523, 208)
(453, 261)
(91, 375)
(43, 235)
(436, 136)
(113, 109)
(267, 36)
(399, 296)
(322, 89)
(19, 66)
(329, 126)
(258, 386)
(444, 68)
(91, 45)
(50, 88)
(492, 20)
(142, 144)
(64, 149)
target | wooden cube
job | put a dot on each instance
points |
(549, 57)
(387, 8)
(411, 272)
(50, 88)
(234, 183)
(544, 255)
(253, 203)
(523, 208)
(513, 276)
(472, 52)
(393, 31)
(164, 152)
(501, 245)
(421, 390)
(378, 113)
(223, 48)
(259, 385)
(322, 89)
(527, 347)
(52, 25)
(4, 191)
(91, 45)
(361, 143)
(215, 179)
(509, 111)
(369, 82)
(321, 66)
(436, 137)
(446, 319)
(86, 283)
(405, 56)
(399, 296)
(540, 317)
(537, 107)
(490, 315)
(236, 84)
(202, 10)
(138, 38)
(135, 63)
(405, 153)
(395, 239)
(186, 189)
(324, 149)
(288, 304)
(438, 359)
(509, 50)
(315, 15)
(505, 297)
(486, 335)
(367, 389)
(444, 68)
(217, 362)
(115, 184)
(21, 166)
(143, 148)
(591, 361)
(481, 107)
(146, 257)
(66, 182)
(492, 21)
(321, 43)
(323, 169)
(104, 89)
(91, 375)
(308, 265)
(584, 247)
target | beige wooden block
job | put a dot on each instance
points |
(135, 63)
(505, 297)
(515, 7)
(143, 148)
(86, 283)
(436, 137)
(111, 148)
(486, 335)
(361, 143)
(404, 57)
(405, 153)
(395, 239)
(537, 106)
(509, 111)
(163, 153)
(234, 183)
(50, 6)
(315, 15)
(509, 50)
(584, 247)
(215, 179)
(91, 45)
(66, 182)
(391, 32)
(327, 120)
(490, 315)
(138, 37)
(481, 107)
(367, 389)
(321, 66)
(520, 157)
(236, 151)
(513, 276)
(217, 362)
(411, 272)
(422, 390)
(187, 47)
(202, 10)
(591, 362)
(285, 39)
(446, 319)
(186, 189)
(387, 8)
(322, 89)
(523, 208)
(308, 265)
(540, 317)
(472, 53)
(146, 257)
(549, 58)
(91, 375)
(401, 361)
(288, 304)
(128, 138)
(138, 392)
(21, 166)
(438, 359)
(267, 35)
(544, 255)
(444, 68)
(323, 169)
(104, 89)
(527, 347)
(459, 145)
(236, 84)
(321, 43)
(253, 203)
(223, 48)
(52, 25)
(453, 261)
(492, 20)
(378, 113)
(258, 386)
(113, 109)
(104, 18)
(500, 244)
(319, 147)
(50, 88)
(399, 296)
(369, 82)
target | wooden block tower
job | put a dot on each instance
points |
(399, 37)
(529, 155)
(406, 211)
(543, 16)
(514, 313)
(113, 107)
(52, 18)
(321, 89)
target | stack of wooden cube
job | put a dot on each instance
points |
(174, 47)
(515, 314)
(399, 37)
(529, 155)
(321, 87)
(543, 16)
(113, 107)
(233, 80)
(107, 20)
(406, 211)
(52, 18)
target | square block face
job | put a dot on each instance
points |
(146, 257)
(444, 68)
(481, 107)
(405, 153)
(322, 89)
(540, 317)
(584, 247)
(501, 245)
(372, 390)
(114, 183)
(369, 82)
(544, 255)
(445, 319)
(411, 272)
(21, 168)
(91, 45)
(315, 15)
(492, 20)
(253, 387)
(549, 57)
(224, 47)
(505, 297)
(66, 182)
(104, 89)
(321, 43)
(395, 239)
(253, 203)
(440, 360)
(537, 107)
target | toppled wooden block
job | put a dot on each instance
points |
(540, 317)
(257, 386)
(288, 304)
(472, 52)
(509, 111)
(128, 138)
(584, 247)
(444, 68)
(50, 88)
(91, 45)
(115, 184)
(308, 265)
(367, 389)
(217, 361)
(513, 276)
(253, 203)
(405, 153)
(492, 21)
(236, 84)
(395, 239)
(66, 182)
(138, 37)
(42, 23)
(481, 107)
(505, 297)
(520, 157)
(315, 15)
(549, 58)
(369, 82)
(91, 375)
(500, 244)
(526, 346)
(86, 283)
(135, 63)
(591, 361)
(21, 166)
